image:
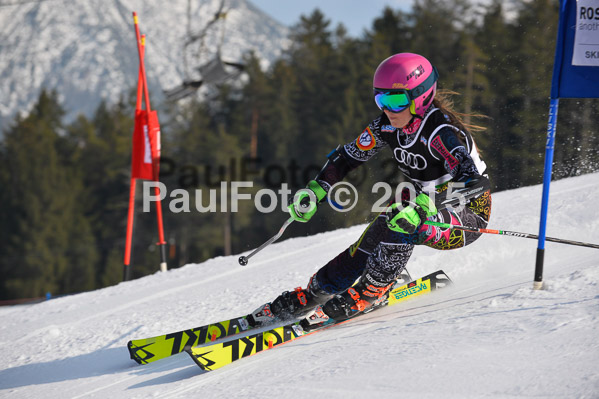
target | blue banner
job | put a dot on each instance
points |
(575, 75)
(576, 66)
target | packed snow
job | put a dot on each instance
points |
(489, 335)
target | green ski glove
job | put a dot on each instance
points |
(305, 202)
(407, 219)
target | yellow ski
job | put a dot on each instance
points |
(149, 350)
(214, 356)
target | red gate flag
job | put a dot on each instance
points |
(145, 145)
(145, 156)
(154, 134)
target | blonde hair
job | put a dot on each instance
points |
(443, 100)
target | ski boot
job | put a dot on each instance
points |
(299, 302)
(403, 278)
(361, 298)
(291, 304)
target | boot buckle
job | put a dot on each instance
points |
(301, 296)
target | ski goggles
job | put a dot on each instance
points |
(396, 100)
(392, 100)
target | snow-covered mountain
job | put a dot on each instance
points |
(86, 50)
(490, 335)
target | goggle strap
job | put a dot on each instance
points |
(418, 90)
(424, 86)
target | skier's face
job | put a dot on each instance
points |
(400, 119)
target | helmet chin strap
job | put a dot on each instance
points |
(414, 123)
(409, 128)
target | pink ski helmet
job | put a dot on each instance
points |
(403, 80)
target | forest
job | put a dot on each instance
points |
(65, 187)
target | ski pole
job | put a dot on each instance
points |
(509, 233)
(243, 260)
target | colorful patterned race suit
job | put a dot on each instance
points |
(430, 152)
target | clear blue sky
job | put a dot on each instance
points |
(356, 15)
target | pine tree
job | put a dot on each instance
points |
(281, 126)
(100, 152)
(496, 40)
(537, 22)
(311, 58)
(436, 33)
(48, 246)
(577, 142)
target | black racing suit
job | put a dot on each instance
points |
(430, 152)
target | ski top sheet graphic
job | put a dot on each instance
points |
(149, 350)
(222, 353)
(217, 355)
(419, 287)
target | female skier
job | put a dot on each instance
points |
(432, 148)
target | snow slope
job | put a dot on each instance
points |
(490, 335)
